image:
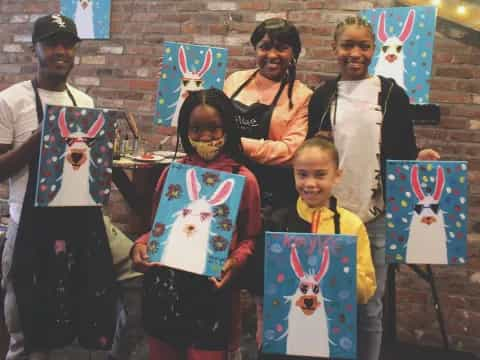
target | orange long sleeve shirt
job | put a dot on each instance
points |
(288, 127)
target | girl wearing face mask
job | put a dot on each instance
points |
(271, 109)
(195, 317)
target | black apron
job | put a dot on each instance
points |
(253, 121)
(62, 272)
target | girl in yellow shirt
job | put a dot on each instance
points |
(316, 172)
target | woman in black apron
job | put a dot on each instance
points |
(271, 109)
(62, 272)
(271, 114)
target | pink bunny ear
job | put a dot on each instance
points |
(408, 26)
(96, 127)
(324, 265)
(207, 62)
(295, 263)
(440, 183)
(62, 124)
(193, 186)
(417, 189)
(182, 60)
(381, 32)
(222, 193)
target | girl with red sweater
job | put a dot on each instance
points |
(188, 316)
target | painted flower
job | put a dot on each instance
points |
(221, 211)
(152, 247)
(158, 229)
(219, 243)
(225, 224)
(210, 179)
(174, 191)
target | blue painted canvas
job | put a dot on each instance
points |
(404, 45)
(92, 17)
(75, 165)
(310, 296)
(426, 212)
(186, 67)
(195, 219)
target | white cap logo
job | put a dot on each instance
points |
(57, 19)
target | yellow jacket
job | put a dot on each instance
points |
(350, 224)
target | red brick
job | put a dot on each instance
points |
(254, 5)
(455, 72)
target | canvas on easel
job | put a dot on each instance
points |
(92, 17)
(426, 212)
(404, 46)
(310, 298)
(195, 219)
(75, 164)
(186, 67)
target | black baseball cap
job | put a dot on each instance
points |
(51, 25)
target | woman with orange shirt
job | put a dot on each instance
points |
(271, 108)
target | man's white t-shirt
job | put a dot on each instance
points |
(18, 119)
(357, 126)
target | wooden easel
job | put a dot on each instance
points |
(424, 114)
(390, 302)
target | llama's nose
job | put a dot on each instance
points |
(189, 229)
(391, 58)
(76, 157)
(428, 220)
(308, 302)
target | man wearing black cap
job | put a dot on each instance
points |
(54, 41)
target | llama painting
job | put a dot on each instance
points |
(92, 17)
(186, 68)
(195, 219)
(404, 45)
(426, 212)
(75, 165)
(84, 19)
(310, 295)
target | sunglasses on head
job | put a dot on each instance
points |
(275, 24)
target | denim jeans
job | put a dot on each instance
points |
(370, 315)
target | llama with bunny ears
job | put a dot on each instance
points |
(190, 81)
(307, 320)
(187, 244)
(391, 57)
(75, 186)
(186, 67)
(427, 240)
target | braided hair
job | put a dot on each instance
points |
(353, 20)
(283, 31)
(216, 99)
(322, 143)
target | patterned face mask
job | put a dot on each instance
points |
(208, 150)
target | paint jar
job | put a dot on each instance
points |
(126, 146)
(117, 144)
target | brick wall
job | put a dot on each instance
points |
(122, 73)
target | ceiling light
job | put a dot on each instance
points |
(461, 9)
